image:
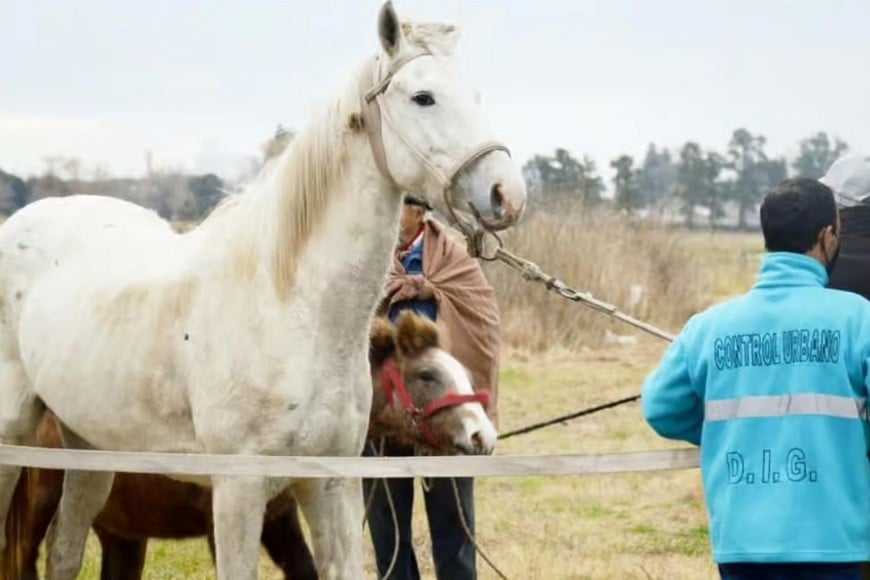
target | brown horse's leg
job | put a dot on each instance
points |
(46, 495)
(284, 541)
(122, 559)
(34, 502)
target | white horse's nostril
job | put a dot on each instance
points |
(504, 210)
(477, 440)
(496, 200)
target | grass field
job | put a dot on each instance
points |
(603, 527)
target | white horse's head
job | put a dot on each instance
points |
(429, 128)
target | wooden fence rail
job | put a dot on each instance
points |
(326, 467)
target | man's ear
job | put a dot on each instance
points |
(824, 233)
(829, 238)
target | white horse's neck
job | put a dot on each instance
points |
(320, 221)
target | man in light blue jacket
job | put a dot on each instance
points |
(772, 385)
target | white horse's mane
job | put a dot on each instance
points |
(291, 189)
(289, 195)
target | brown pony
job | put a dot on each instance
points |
(417, 399)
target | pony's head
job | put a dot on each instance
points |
(422, 395)
(427, 131)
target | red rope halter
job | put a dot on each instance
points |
(394, 386)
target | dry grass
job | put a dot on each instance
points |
(606, 254)
(597, 527)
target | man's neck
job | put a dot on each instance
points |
(407, 238)
(816, 253)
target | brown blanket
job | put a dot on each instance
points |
(467, 311)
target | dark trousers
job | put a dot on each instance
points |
(796, 571)
(452, 552)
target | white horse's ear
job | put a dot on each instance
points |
(389, 30)
(439, 37)
(450, 34)
(446, 35)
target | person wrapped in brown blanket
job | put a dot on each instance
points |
(467, 313)
(434, 275)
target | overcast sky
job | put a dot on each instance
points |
(203, 83)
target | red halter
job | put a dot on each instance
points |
(393, 385)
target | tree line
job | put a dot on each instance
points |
(175, 196)
(690, 177)
(172, 193)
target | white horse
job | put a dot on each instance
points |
(248, 334)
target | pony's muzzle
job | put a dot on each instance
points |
(477, 443)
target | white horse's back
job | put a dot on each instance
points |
(56, 235)
(80, 280)
(46, 234)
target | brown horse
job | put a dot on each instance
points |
(417, 399)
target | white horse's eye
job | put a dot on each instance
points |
(426, 376)
(424, 99)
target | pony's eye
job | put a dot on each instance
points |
(426, 376)
(424, 99)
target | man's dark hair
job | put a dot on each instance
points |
(793, 214)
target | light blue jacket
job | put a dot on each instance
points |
(772, 385)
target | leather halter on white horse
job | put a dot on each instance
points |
(373, 113)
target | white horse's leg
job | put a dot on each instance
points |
(333, 509)
(238, 505)
(19, 416)
(84, 495)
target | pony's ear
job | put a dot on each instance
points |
(382, 341)
(389, 30)
(414, 334)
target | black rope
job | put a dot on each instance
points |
(564, 418)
